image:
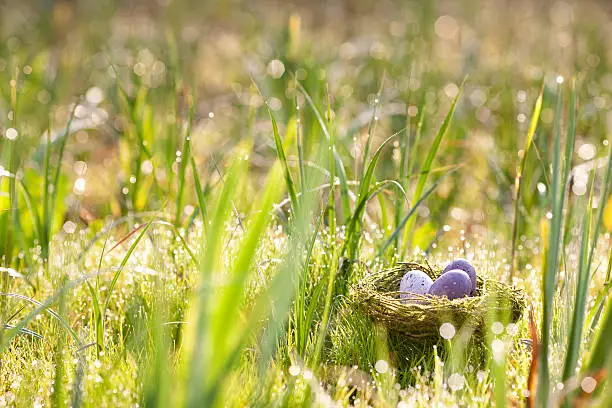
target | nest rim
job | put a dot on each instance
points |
(421, 317)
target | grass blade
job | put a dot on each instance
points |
(199, 192)
(580, 301)
(185, 160)
(431, 155)
(518, 185)
(225, 327)
(40, 307)
(339, 166)
(584, 265)
(280, 151)
(600, 349)
(56, 176)
(300, 143)
(122, 265)
(352, 239)
(372, 126)
(404, 221)
(60, 368)
(551, 262)
(198, 387)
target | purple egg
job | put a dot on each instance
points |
(452, 284)
(414, 281)
(466, 267)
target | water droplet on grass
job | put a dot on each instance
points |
(276, 68)
(447, 331)
(497, 328)
(79, 186)
(69, 227)
(11, 133)
(512, 329)
(541, 188)
(498, 347)
(588, 384)
(381, 366)
(94, 95)
(456, 382)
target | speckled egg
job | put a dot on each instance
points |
(414, 281)
(466, 267)
(453, 284)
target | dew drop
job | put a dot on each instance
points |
(447, 331)
(381, 366)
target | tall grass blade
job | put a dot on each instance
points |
(600, 349)
(584, 264)
(98, 322)
(337, 264)
(303, 321)
(225, 330)
(185, 160)
(595, 313)
(551, 263)
(431, 155)
(56, 175)
(45, 238)
(40, 307)
(352, 237)
(412, 210)
(126, 257)
(300, 143)
(331, 206)
(407, 163)
(580, 300)
(601, 352)
(339, 165)
(58, 357)
(199, 379)
(518, 185)
(199, 193)
(372, 126)
(280, 151)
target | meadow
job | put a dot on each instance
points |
(192, 193)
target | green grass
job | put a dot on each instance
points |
(195, 188)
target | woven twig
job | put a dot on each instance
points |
(378, 297)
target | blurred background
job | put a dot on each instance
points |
(132, 65)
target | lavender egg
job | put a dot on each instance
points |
(452, 284)
(414, 281)
(466, 267)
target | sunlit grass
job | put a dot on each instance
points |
(187, 202)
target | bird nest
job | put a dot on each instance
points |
(421, 318)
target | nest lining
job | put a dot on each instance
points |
(420, 318)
